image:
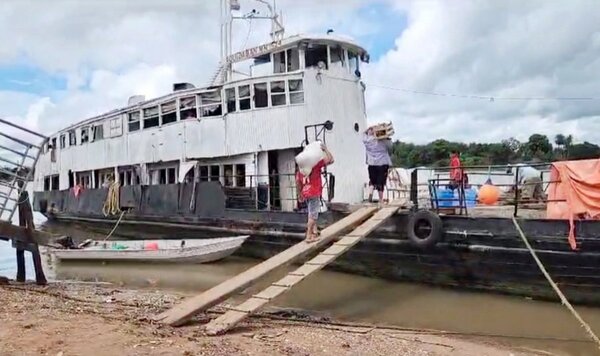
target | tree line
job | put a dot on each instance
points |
(538, 148)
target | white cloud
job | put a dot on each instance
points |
(110, 50)
(499, 49)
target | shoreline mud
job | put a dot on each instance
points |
(78, 318)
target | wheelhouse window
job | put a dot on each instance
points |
(244, 97)
(336, 53)
(353, 61)
(85, 135)
(315, 54)
(278, 93)
(279, 62)
(72, 138)
(187, 108)
(97, 132)
(293, 59)
(169, 112)
(296, 91)
(261, 98)
(134, 121)
(210, 103)
(63, 141)
(151, 117)
(230, 99)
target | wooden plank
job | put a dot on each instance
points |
(288, 281)
(230, 319)
(271, 292)
(305, 270)
(18, 233)
(184, 311)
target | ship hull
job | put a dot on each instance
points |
(475, 253)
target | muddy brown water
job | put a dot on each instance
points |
(515, 321)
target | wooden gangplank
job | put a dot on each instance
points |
(238, 313)
(184, 311)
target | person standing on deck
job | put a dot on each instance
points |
(311, 189)
(530, 181)
(456, 172)
(378, 162)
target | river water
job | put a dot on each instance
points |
(534, 324)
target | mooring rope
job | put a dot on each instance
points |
(112, 206)
(562, 297)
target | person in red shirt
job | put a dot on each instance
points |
(310, 189)
(456, 172)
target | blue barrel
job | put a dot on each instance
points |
(445, 198)
(471, 197)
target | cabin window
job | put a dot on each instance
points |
(279, 62)
(210, 104)
(97, 132)
(261, 98)
(293, 59)
(167, 175)
(230, 98)
(203, 173)
(187, 108)
(134, 121)
(51, 182)
(215, 173)
(228, 175)
(53, 150)
(128, 176)
(314, 54)
(85, 135)
(278, 93)
(104, 178)
(169, 112)
(353, 61)
(115, 127)
(63, 141)
(84, 179)
(244, 96)
(296, 91)
(151, 117)
(240, 175)
(171, 175)
(72, 138)
(336, 53)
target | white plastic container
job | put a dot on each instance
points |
(309, 157)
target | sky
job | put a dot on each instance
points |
(62, 61)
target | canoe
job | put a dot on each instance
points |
(171, 251)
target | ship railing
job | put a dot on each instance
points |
(277, 191)
(20, 149)
(425, 193)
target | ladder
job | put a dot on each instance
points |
(181, 313)
(18, 157)
(240, 312)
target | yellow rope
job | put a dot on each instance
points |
(111, 204)
(562, 297)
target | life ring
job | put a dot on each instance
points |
(425, 229)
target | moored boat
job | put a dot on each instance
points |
(165, 251)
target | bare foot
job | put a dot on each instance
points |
(311, 239)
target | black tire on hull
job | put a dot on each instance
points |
(425, 229)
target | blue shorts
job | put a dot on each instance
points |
(313, 205)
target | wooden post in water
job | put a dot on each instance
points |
(26, 221)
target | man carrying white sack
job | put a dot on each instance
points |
(378, 160)
(311, 189)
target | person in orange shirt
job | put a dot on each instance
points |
(456, 172)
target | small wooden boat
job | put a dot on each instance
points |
(172, 251)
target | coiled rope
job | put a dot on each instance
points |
(562, 297)
(112, 207)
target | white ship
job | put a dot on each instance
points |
(242, 131)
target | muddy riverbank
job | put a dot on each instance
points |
(75, 319)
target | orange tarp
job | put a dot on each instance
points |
(579, 186)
